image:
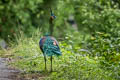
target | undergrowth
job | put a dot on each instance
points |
(72, 65)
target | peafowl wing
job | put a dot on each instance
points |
(49, 46)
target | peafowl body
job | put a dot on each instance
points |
(48, 44)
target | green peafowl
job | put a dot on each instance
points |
(48, 44)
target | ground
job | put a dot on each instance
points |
(6, 72)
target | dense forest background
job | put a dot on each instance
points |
(89, 16)
(88, 28)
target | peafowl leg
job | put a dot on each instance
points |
(51, 63)
(45, 62)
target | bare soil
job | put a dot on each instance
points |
(6, 72)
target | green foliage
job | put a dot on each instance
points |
(71, 65)
(89, 52)
(95, 17)
(105, 45)
(26, 15)
(23, 15)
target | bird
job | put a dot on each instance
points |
(49, 45)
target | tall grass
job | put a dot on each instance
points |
(70, 66)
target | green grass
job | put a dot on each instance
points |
(70, 66)
(1, 53)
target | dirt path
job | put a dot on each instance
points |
(7, 73)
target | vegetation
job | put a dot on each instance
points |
(70, 65)
(88, 32)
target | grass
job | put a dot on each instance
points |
(74, 64)
(70, 66)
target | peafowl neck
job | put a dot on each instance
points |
(51, 26)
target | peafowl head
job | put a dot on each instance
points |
(52, 16)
